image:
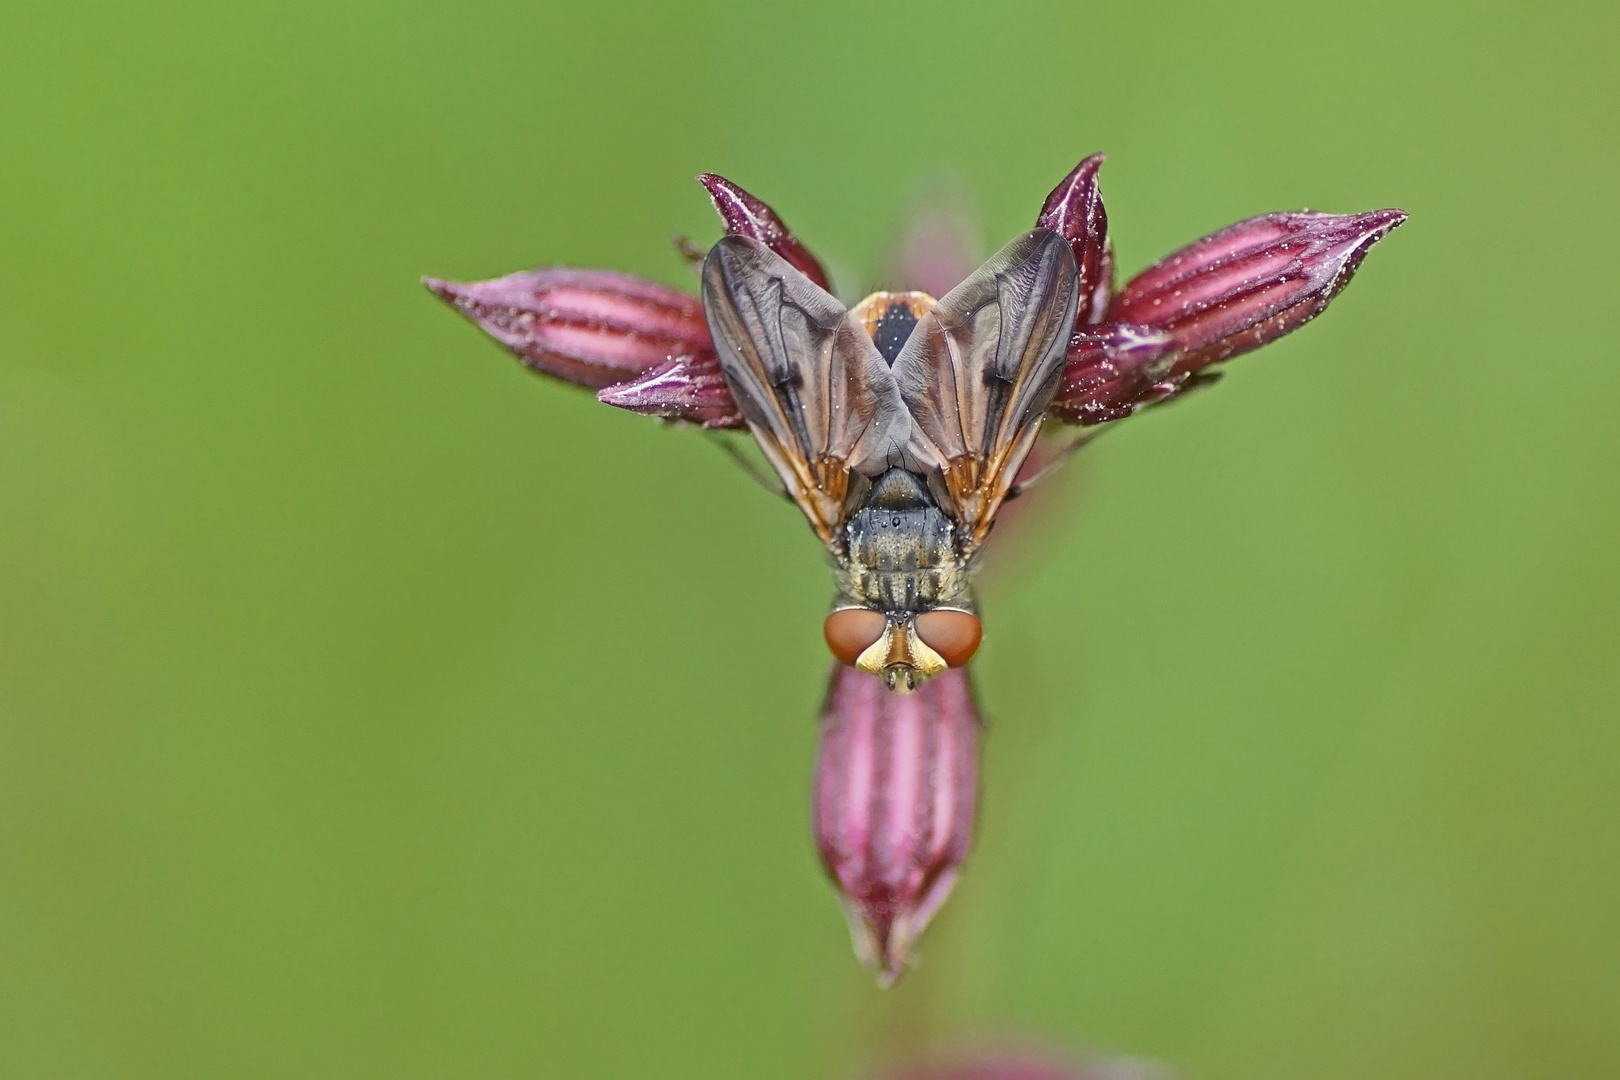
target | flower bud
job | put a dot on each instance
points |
(745, 215)
(688, 387)
(588, 327)
(1075, 212)
(1110, 371)
(895, 786)
(1233, 291)
(1250, 283)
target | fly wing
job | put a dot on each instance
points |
(816, 393)
(980, 369)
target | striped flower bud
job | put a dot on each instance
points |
(1250, 283)
(895, 786)
(1075, 212)
(1233, 291)
(589, 327)
(687, 387)
(745, 215)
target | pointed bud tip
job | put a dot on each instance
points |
(1069, 197)
(620, 395)
(687, 387)
(1083, 173)
(1384, 221)
(587, 327)
(746, 215)
(1371, 226)
(729, 199)
(1074, 210)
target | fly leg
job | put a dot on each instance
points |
(1041, 473)
(729, 447)
(690, 253)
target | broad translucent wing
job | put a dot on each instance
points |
(815, 391)
(980, 369)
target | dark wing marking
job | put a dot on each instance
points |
(816, 393)
(980, 369)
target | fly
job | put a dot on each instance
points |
(897, 426)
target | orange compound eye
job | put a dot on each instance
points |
(851, 631)
(955, 635)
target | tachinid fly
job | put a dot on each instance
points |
(897, 426)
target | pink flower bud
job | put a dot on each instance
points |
(745, 215)
(1111, 370)
(1250, 283)
(1075, 212)
(1224, 295)
(687, 387)
(589, 327)
(896, 780)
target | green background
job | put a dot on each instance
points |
(371, 708)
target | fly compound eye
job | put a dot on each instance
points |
(955, 635)
(851, 631)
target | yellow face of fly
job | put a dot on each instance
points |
(900, 658)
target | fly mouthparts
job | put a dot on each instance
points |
(901, 678)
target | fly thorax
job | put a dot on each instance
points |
(901, 552)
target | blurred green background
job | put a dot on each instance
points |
(372, 708)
